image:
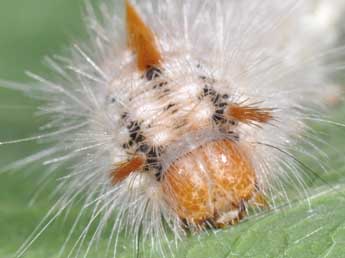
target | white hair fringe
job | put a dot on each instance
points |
(271, 52)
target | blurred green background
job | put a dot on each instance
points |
(32, 29)
(29, 30)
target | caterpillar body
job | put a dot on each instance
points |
(185, 116)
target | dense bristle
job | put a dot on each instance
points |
(130, 111)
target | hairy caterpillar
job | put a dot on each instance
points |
(186, 119)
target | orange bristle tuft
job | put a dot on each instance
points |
(141, 40)
(249, 114)
(123, 171)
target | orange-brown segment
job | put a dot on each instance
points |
(124, 170)
(249, 114)
(210, 183)
(141, 40)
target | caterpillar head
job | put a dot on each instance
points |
(183, 136)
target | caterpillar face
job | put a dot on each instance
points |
(183, 132)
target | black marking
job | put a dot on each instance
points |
(158, 175)
(220, 112)
(234, 135)
(209, 91)
(152, 161)
(152, 73)
(137, 139)
(128, 144)
(140, 138)
(135, 133)
(232, 122)
(207, 79)
(160, 85)
(219, 102)
(124, 115)
(218, 116)
(218, 119)
(134, 130)
(133, 126)
(144, 148)
(170, 106)
(222, 104)
(152, 153)
(215, 99)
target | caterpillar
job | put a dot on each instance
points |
(183, 116)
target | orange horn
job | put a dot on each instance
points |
(249, 114)
(141, 40)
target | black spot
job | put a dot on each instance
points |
(218, 116)
(131, 126)
(151, 162)
(170, 106)
(133, 136)
(127, 145)
(162, 84)
(134, 132)
(222, 104)
(152, 73)
(124, 115)
(140, 138)
(144, 148)
(207, 91)
(152, 153)
(158, 166)
(158, 175)
(152, 159)
(220, 112)
(215, 99)
(232, 122)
